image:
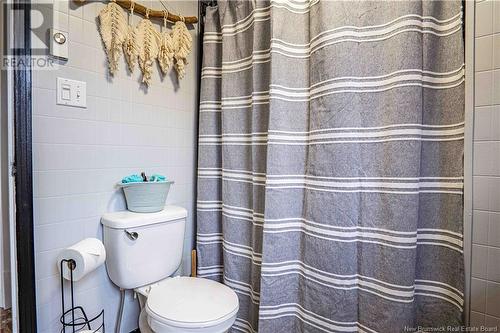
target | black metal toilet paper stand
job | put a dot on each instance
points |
(75, 319)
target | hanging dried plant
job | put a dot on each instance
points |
(182, 45)
(113, 28)
(166, 55)
(148, 40)
(130, 47)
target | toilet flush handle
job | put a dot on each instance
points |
(132, 234)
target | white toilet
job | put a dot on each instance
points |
(143, 250)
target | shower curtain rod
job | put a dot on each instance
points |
(138, 8)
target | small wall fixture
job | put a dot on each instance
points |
(58, 46)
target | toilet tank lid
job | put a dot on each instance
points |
(127, 219)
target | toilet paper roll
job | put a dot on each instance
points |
(88, 254)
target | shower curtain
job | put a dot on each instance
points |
(330, 174)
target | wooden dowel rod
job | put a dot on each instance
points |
(138, 8)
(193, 263)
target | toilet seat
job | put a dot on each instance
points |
(191, 304)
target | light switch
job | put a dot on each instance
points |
(66, 92)
(71, 92)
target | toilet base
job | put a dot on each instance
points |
(143, 322)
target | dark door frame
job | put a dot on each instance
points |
(22, 169)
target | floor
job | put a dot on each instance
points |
(5, 321)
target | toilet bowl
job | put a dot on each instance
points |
(187, 305)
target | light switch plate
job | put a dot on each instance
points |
(71, 92)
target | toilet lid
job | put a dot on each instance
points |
(186, 301)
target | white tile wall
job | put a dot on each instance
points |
(80, 154)
(485, 284)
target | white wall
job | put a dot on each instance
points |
(80, 154)
(485, 283)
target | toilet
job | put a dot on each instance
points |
(143, 250)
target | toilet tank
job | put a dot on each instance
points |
(143, 248)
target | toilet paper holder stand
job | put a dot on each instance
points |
(75, 319)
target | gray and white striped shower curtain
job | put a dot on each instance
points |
(330, 174)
